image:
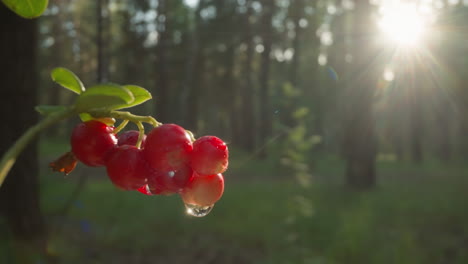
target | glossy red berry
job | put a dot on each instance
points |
(209, 156)
(145, 190)
(130, 138)
(91, 141)
(169, 182)
(126, 167)
(167, 148)
(203, 190)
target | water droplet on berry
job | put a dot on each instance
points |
(171, 174)
(198, 211)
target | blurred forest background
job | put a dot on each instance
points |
(346, 120)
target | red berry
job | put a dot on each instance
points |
(145, 190)
(167, 148)
(126, 167)
(203, 190)
(130, 138)
(169, 182)
(91, 141)
(209, 156)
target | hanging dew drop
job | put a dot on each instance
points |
(198, 211)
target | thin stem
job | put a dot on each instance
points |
(126, 116)
(141, 128)
(121, 126)
(9, 158)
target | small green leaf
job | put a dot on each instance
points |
(85, 117)
(27, 8)
(103, 96)
(140, 94)
(49, 109)
(67, 79)
(106, 120)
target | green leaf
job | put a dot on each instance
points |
(67, 79)
(49, 109)
(27, 8)
(103, 96)
(106, 120)
(85, 117)
(140, 94)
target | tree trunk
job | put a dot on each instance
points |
(444, 130)
(100, 43)
(398, 145)
(444, 149)
(193, 75)
(359, 137)
(463, 105)
(229, 98)
(415, 115)
(161, 87)
(296, 11)
(19, 195)
(193, 103)
(55, 59)
(297, 7)
(132, 48)
(54, 91)
(265, 119)
(463, 132)
(247, 91)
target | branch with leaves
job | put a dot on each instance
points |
(171, 161)
(98, 101)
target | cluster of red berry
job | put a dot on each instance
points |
(167, 162)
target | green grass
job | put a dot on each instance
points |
(404, 220)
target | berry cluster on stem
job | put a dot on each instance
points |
(168, 160)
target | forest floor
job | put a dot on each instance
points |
(416, 214)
